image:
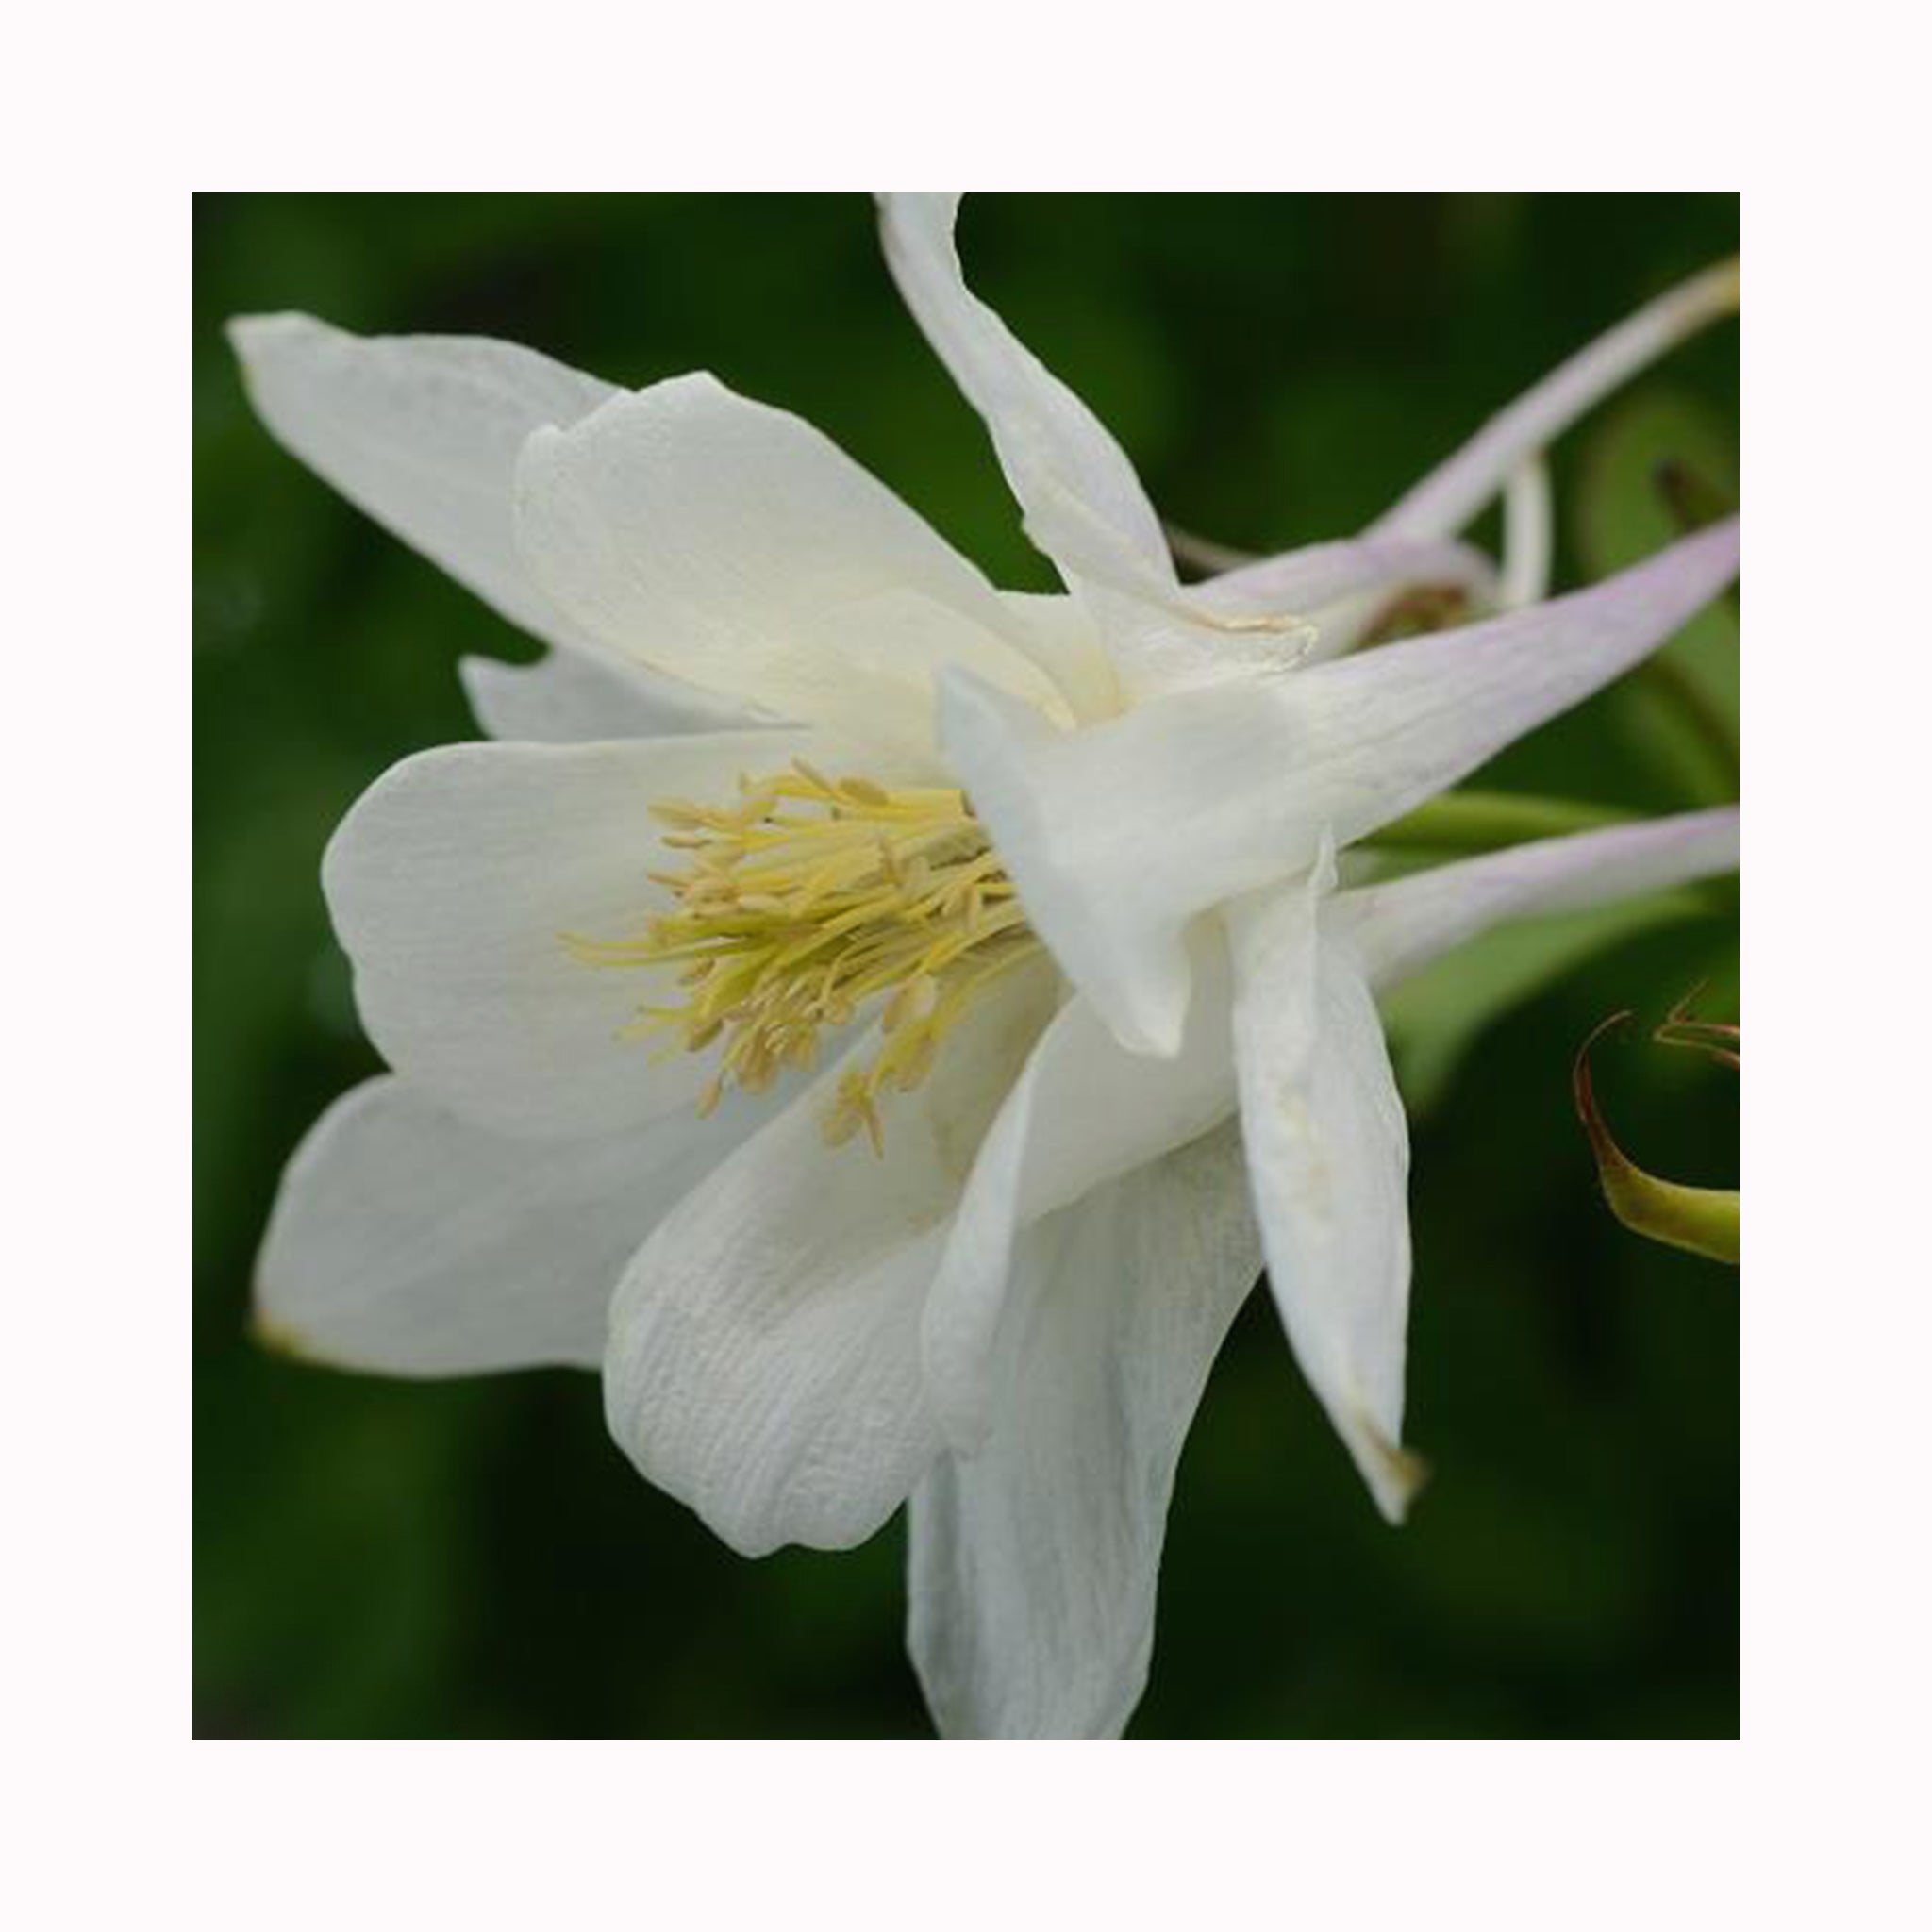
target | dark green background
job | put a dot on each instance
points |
(476, 1558)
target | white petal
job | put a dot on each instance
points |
(1399, 927)
(1083, 1111)
(1033, 1564)
(1449, 496)
(1328, 1155)
(734, 546)
(1317, 574)
(571, 697)
(406, 1242)
(1120, 834)
(1343, 588)
(453, 883)
(1083, 504)
(420, 432)
(1057, 632)
(765, 1345)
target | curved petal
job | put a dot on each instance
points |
(1084, 507)
(734, 546)
(1327, 1157)
(1528, 535)
(1318, 575)
(1082, 1111)
(764, 1344)
(420, 432)
(1033, 1564)
(456, 876)
(1120, 834)
(406, 1242)
(1399, 927)
(1451, 494)
(571, 697)
(1343, 588)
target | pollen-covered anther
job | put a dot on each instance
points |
(802, 901)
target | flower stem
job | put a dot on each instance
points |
(1478, 821)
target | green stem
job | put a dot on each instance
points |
(1477, 821)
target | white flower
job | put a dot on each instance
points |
(1109, 1026)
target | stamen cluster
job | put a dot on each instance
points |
(804, 900)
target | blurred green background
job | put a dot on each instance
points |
(477, 1559)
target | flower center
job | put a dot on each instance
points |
(803, 900)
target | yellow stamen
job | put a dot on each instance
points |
(806, 898)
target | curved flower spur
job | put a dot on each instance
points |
(883, 1021)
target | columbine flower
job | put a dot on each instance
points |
(1024, 1015)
